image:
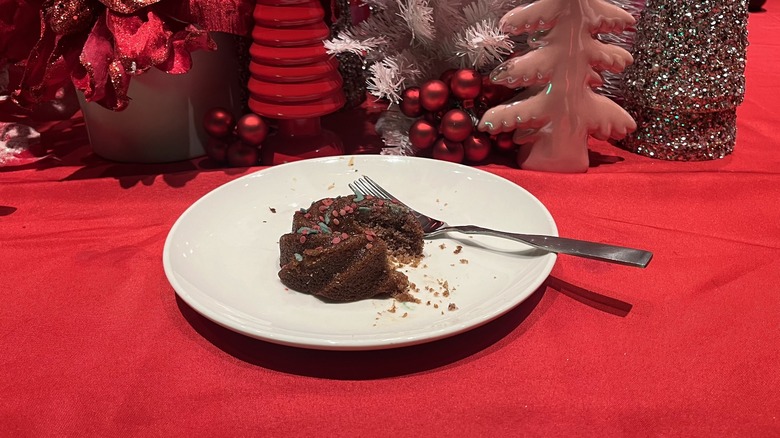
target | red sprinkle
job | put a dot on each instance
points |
(342, 212)
(335, 213)
(369, 237)
(369, 246)
(327, 201)
(344, 235)
(380, 202)
(303, 238)
(323, 207)
(307, 215)
(353, 206)
(335, 221)
(335, 240)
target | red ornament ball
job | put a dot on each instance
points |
(434, 95)
(252, 129)
(477, 147)
(446, 77)
(504, 142)
(240, 154)
(218, 122)
(494, 94)
(456, 125)
(447, 150)
(466, 84)
(410, 102)
(422, 134)
(216, 149)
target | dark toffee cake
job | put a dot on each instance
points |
(347, 248)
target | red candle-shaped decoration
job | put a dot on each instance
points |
(293, 79)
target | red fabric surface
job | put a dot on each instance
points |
(94, 341)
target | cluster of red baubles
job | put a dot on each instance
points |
(447, 110)
(234, 142)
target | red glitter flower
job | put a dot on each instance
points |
(100, 45)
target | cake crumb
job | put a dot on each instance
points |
(442, 246)
(331, 186)
(273, 210)
(435, 306)
(392, 309)
(452, 307)
(351, 162)
(405, 315)
(464, 261)
(458, 249)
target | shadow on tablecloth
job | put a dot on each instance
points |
(365, 365)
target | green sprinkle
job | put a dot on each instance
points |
(358, 196)
(325, 228)
(307, 230)
(364, 209)
(298, 257)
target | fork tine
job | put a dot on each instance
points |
(359, 186)
(382, 192)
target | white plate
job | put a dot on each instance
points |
(222, 254)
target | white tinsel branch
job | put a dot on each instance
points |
(482, 45)
(418, 16)
(346, 42)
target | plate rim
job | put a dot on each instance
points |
(349, 344)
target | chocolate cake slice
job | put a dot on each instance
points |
(347, 248)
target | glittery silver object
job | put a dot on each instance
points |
(682, 136)
(613, 82)
(687, 78)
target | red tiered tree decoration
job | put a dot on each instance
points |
(293, 79)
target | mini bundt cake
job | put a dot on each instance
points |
(346, 248)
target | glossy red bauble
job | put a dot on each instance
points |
(466, 84)
(456, 125)
(447, 150)
(240, 154)
(494, 94)
(477, 147)
(252, 129)
(410, 102)
(216, 149)
(446, 77)
(422, 134)
(434, 95)
(218, 122)
(504, 142)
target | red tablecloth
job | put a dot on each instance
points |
(94, 341)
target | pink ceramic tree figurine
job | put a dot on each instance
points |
(552, 126)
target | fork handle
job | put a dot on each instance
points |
(562, 245)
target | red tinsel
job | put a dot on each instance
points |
(100, 45)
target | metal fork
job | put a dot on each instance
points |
(561, 245)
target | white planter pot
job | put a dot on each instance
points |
(163, 122)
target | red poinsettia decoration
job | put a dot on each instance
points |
(100, 45)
